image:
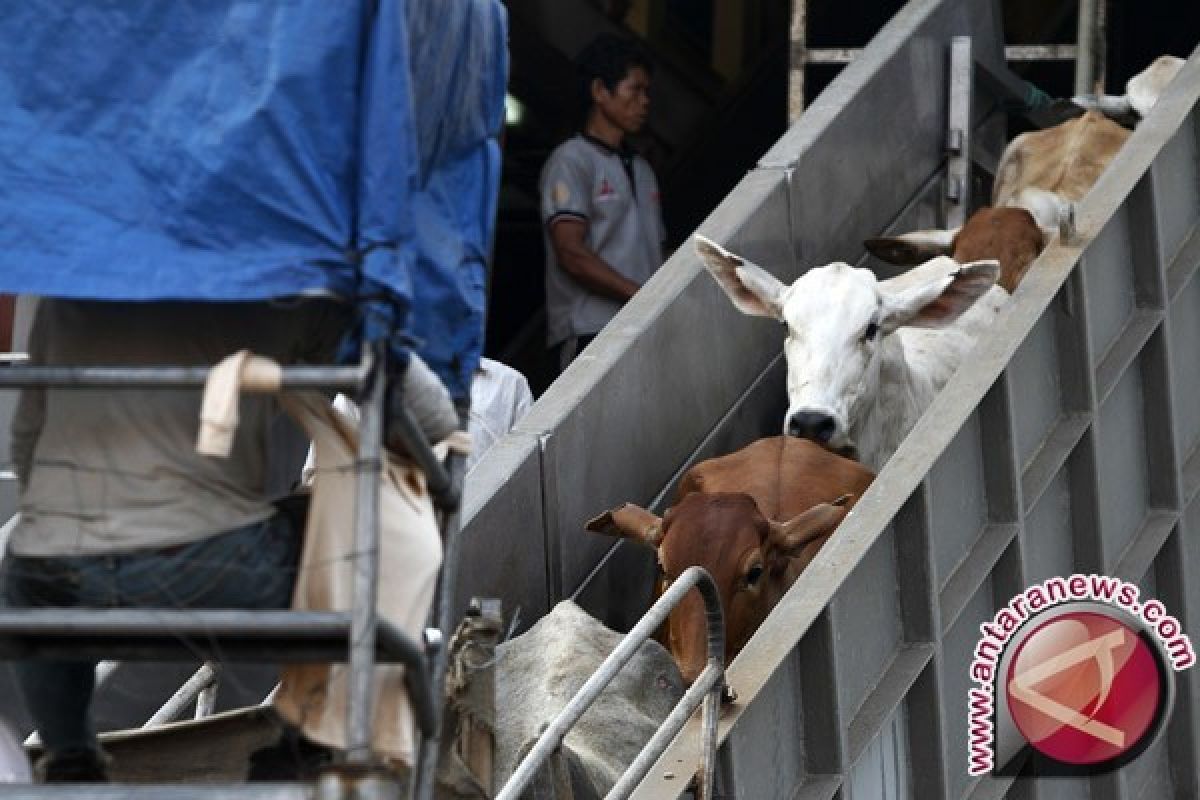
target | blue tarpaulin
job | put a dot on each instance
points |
(246, 150)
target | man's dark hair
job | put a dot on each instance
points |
(609, 57)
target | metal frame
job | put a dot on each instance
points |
(707, 689)
(1089, 53)
(1069, 441)
(259, 635)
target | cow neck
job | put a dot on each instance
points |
(886, 421)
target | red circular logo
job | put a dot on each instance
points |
(1084, 688)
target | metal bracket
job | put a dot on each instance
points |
(958, 133)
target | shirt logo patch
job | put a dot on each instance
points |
(606, 189)
(562, 193)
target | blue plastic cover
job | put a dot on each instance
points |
(244, 150)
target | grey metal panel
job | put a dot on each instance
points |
(958, 505)
(866, 616)
(503, 552)
(1183, 330)
(883, 772)
(1035, 370)
(958, 646)
(1122, 493)
(1047, 542)
(768, 762)
(1177, 188)
(1110, 294)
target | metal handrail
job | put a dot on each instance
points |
(707, 689)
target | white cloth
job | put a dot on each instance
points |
(313, 696)
(500, 396)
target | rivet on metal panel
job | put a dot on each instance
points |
(953, 188)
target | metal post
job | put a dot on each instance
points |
(958, 133)
(360, 702)
(1085, 70)
(174, 708)
(443, 615)
(798, 61)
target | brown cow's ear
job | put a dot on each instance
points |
(630, 522)
(789, 538)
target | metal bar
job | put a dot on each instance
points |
(799, 60)
(1040, 52)
(832, 55)
(156, 635)
(443, 615)
(184, 696)
(551, 738)
(958, 133)
(169, 791)
(360, 700)
(347, 379)
(699, 692)
(1085, 65)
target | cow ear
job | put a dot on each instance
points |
(629, 522)
(789, 538)
(751, 288)
(940, 300)
(914, 248)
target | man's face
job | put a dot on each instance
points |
(627, 105)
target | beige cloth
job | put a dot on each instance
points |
(313, 696)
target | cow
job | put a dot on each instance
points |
(1012, 236)
(754, 519)
(1038, 176)
(865, 357)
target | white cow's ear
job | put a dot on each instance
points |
(914, 248)
(751, 288)
(629, 522)
(937, 302)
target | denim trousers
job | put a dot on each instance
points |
(250, 567)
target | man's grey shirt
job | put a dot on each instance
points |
(616, 194)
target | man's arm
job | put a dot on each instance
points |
(568, 237)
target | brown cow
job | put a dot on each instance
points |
(1038, 175)
(754, 519)
(1009, 235)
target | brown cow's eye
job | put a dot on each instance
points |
(754, 575)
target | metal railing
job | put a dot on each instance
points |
(707, 689)
(259, 635)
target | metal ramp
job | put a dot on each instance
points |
(1069, 443)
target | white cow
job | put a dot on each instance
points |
(864, 357)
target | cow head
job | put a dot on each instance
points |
(839, 321)
(1012, 236)
(748, 556)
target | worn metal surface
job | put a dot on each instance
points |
(1069, 441)
(958, 132)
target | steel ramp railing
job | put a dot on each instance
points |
(707, 689)
(358, 637)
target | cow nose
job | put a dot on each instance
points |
(815, 425)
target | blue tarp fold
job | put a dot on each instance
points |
(242, 150)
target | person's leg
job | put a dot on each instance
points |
(57, 694)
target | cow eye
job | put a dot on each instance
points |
(871, 332)
(754, 575)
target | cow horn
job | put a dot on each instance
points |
(629, 522)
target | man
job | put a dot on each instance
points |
(118, 509)
(600, 202)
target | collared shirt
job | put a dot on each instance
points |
(616, 194)
(107, 471)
